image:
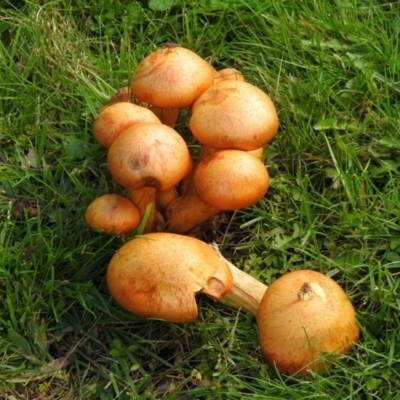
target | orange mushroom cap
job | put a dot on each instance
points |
(230, 179)
(171, 77)
(234, 114)
(112, 213)
(149, 155)
(228, 74)
(224, 180)
(303, 314)
(114, 119)
(159, 274)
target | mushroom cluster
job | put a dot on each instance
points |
(159, 273)
(231, 119)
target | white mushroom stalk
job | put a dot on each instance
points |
(246, 292)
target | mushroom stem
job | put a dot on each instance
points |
(141, 198)
(187, 180)
(187, 211)
(167, 115)
(163, 198)
(246, 292)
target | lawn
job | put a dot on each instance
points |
(332, 69)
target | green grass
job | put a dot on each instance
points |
(333, 71)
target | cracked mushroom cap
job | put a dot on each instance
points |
(302, 315)
(159, 274)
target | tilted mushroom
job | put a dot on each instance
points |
(159, 274)
(224, 180)
(169, 79)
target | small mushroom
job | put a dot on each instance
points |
(121, 95)
(206, 151)
(113, 213)
(228, 74)
(224, 180)
(143, 197)
(169, 79)
(234, 115)
(159, 274)
(147, 197)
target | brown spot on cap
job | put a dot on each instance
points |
(152, 182)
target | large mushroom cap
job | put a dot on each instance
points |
(171, 77)
(147, 154)
(302, 314)
(159, 274)
(234, 115)
(230, 179)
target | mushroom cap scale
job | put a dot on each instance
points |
(159, 274)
